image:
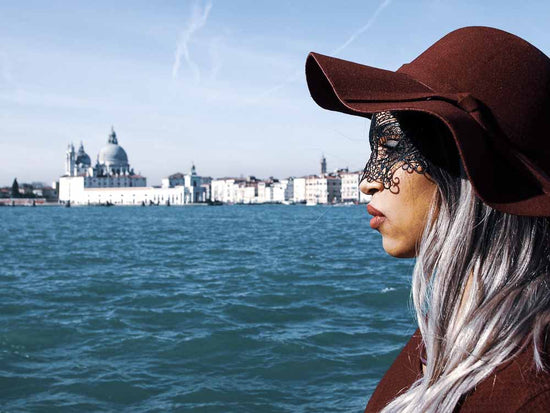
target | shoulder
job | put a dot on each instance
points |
(516, 386)
(404, 371)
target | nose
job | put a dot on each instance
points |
(370, 187)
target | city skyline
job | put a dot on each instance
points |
(322, 168)
(220, 84)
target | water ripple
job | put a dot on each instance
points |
(265, 308)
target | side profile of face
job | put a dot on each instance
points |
(402, 192)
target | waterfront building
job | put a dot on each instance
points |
(225, 190)
(196, 191)
(246, 192)
(278, 192)
(205, 182)
(265, 192)
(112, 181)
(323, 189)
(288, 189)
(45, 192)
(251, 190)
(299, 190)
(235, 190)
(350, 187)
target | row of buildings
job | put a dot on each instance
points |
(35, 193)
(111, 181)
(28, 191)
(325, 188)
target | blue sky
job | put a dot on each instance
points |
(218, 83)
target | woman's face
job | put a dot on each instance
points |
(401, 191)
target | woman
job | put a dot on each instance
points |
(460, 179)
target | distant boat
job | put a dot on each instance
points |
(214, 203)
(311, 203)
(67, 204)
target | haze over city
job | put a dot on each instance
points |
(216, 83)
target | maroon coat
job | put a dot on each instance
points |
(516, 386)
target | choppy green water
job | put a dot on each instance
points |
(233, 308)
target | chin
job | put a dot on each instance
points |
(398, 250)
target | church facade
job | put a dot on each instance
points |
(111, 181)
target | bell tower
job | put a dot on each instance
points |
(70, 161)
(323, 165)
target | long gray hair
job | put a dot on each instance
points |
(480, 290)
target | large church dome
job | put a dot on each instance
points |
(112, 154)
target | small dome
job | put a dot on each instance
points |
(83, 160)
(113, 155)
(82, 157)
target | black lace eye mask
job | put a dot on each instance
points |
(391, 149)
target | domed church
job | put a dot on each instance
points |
(82, 158)
(77, 163)
(112, 158)
(112, 163)
(111, 181)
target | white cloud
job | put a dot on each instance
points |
(198, 19)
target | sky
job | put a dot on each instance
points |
(216, 83)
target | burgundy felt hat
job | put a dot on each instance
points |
(492, 90)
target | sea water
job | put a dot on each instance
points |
(207, 309)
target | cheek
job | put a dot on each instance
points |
(409, 215)
(401, 237)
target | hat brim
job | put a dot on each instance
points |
(362, 90)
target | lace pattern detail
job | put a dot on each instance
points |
(391, 149)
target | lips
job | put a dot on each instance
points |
(373, 211)
(377, 217)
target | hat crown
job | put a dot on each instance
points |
(508, 75)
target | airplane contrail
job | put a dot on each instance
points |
(198, 20)
(363, 29)
(299, 73)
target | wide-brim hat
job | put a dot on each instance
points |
(489, 87)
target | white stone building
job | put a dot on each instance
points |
(249, 190)
(323, 189)
(350, 187)
(112, 182)
(285, 191)
(225, 190)
(299, 190)
(265, 192)
(196, 190)
(289, 189)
